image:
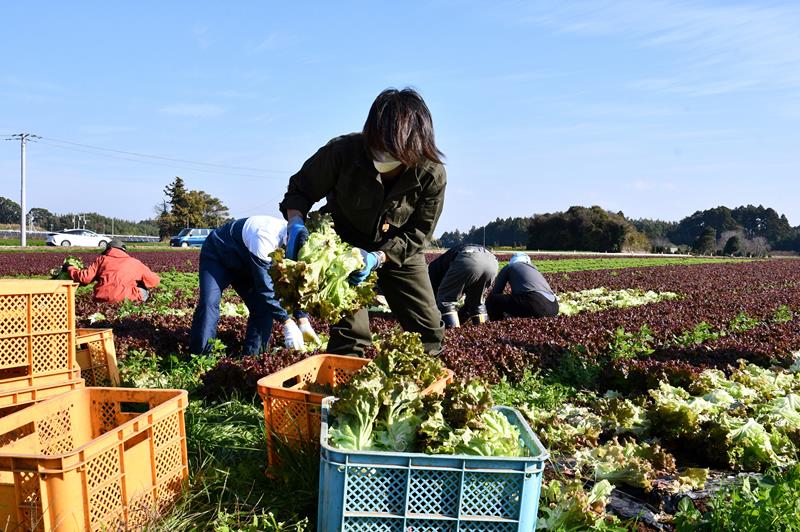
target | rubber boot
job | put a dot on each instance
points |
(477, 319)
(451, 319)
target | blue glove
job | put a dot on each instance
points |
(371, 263)
(297, 234)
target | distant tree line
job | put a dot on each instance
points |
(181, 208)
(40, 219)
(745, 230)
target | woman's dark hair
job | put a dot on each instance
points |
(400, 123)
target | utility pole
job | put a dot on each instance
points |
(23, 140)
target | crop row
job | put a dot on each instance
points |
(635, 346)
(728, 312)
(36, 264)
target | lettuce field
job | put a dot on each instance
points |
(667, 390)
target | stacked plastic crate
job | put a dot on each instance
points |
(37, 342)
(71, 457)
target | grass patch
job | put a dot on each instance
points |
(771, 503)
(577, 265)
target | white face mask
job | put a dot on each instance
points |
(385, 163)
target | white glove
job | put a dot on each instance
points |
(308, 332)
(292, 337)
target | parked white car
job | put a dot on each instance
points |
(78, 237)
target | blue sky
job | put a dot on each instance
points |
(657, 109)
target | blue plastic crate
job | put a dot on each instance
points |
(369, 491)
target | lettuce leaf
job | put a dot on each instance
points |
(317, 282)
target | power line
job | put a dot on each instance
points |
(273, 200)
(156, 163)
(173, 159)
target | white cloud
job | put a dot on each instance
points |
(195, 110)
(722, 47)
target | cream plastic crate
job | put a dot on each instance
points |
(97, 357)
(93, 459)
(18, 399)
(37, 333)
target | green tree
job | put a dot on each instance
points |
(707, 241)
(9, 211)
(654, 229)
(692, 227)
(43, 219)
(760, 221)
(204, 210)
(582, 228)
(188, 208)
(635, 241)
(733, 246)
(451, 239)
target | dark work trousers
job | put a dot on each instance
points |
(408, 291)
(224, 262)
(472, 271)
(526, 305)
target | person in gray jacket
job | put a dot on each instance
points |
(531, 295)
(467, 270)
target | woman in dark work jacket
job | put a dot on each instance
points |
(384, 188)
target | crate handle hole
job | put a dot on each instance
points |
(11, 372)
(133, 408)
(294, 381)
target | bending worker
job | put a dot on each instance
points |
(384, 188)
(237, 255)
(466, 269)
(530, 296)
(119, 276)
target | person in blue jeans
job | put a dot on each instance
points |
(237, 255)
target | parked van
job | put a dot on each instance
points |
(189, 236)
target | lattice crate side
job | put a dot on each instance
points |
(52, 312)
(496, 494)
(373, 524)
(97, 357)
(292, 413)
(293, 422)
(104, 488)
(13, 314)
(13, 352)
(42, 313)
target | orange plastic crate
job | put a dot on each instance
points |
(93, 459)
(292, 413)
(97, 357)
(14, 400)
(37, 333)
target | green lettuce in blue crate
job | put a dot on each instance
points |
(461, 421)
(378, 409)
(382, 408)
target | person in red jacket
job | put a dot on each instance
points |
(119, 276)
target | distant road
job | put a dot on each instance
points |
(42, 235)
